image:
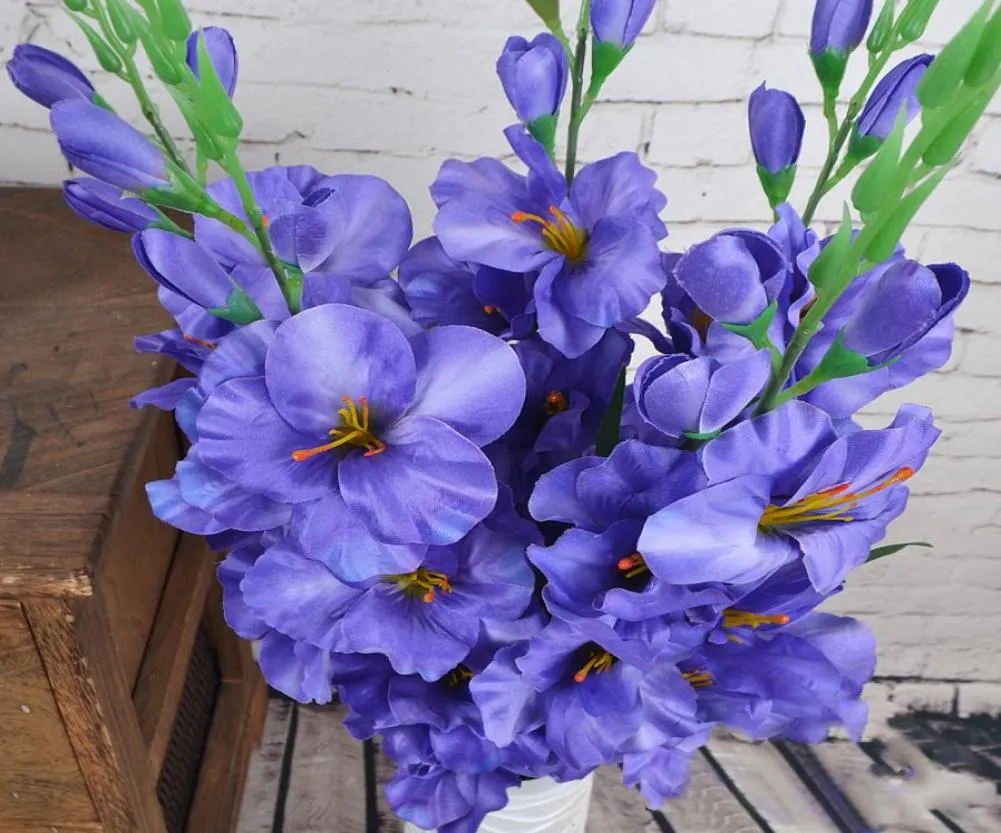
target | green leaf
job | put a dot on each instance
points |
(164, 65)
(240, 309)
(830, 263)
(76, 5)
(882, 30)
(123, 18)
(892, 549)
(106, 56)
(548, 10)
(777, 186)
(174, 19)
(892, 229)
(208, 143)
(605, 59)
(871, 190)
(956, 131)
(216, 108)
(611, 425)
(914, 19)
(987, 56)
(757, 331)
(945, 75)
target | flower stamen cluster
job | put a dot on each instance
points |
(560, 235)
(423, 584)
(601, 662)
(354, 430)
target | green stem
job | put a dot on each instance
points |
(576, 112)
(134, 78)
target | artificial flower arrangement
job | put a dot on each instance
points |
(439, 496)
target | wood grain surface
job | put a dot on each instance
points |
(264, 778)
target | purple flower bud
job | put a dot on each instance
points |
(896, 91)
(777, 127)
(534, 75)
(902, 306)
(107, 206)
(101, 144)
(47, 77)
(620, 21)
(222, 51)
(839, 25)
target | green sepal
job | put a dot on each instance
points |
(893, 549)
(174, 19)
(163, 63)
(830, 263)
(240, 309)
(106, 56)
(831, 66)
(892, 230)
(862, 147)
(76, 5)
(548, 10)
(171, 198)
(914, 19)
(216, 108)
(839, 363)
(882, 30)
(954, 133)
(611, 425)
(123, 21)
(605, 59)
(869, 193)
(987, 56)
(945, 75)
(99, 100)
(757, 331)
(212, 146)
(701, 438)
(543, 130)
(777, 187)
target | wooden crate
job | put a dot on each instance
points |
(125, 704)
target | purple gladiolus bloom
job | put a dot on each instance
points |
(534, 74)
(895, 92)
(102, 145)
(434, 798)
(107, 206)
(620, 21)
(777, 126)
(734, 275)
(680, 396)
(595, 248)
(347, 402)
(46, 76)
(839, 25)
(785, 487)
(222, 52)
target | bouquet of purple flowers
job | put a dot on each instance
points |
(440, 495)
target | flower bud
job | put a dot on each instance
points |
(838, 28)
(222, 51)
(107, 206)
(619, 22)
(47, 77)
(102, 145)
(895, 92)
(777, 126)
(534, 75)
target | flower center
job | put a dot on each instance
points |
(699, 679)
(422, 583)
(833, 504)
(353, 431)
(701, 322)
(556, 403)
(633, 565)
(599, 662)
(560, 234)
(489, 310)
(457, 676)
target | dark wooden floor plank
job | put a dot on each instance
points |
(384, 770)
(264, 779)
(708, 806)
(327, 787)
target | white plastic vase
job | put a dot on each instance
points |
(539, 806)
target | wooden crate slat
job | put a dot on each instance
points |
(389, 822)
(616, 808)
(976, 819)
(327, 784)
(260, 795)
(762, 775)
(708, 805)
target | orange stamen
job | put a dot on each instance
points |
(601, 662)
(633, 565)
(210, 345)
(556, 403)
(354, 430)
(425, 584)
(489, 310)
(744, 619)
(560, 234)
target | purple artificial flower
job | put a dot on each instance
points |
(680, 396)
(663, 773)
(777, 126)
(733, 276)
(595, 248)
(47, 77)
(107, 206)
(535, 75)
(620, 22)
(347, 402)
(101, 144)
(897, 91)
(839, 25)
(222, 52)
(783, 488)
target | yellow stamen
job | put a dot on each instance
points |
(423, 583)
(699, 679)
(743, 619)
(457, 676)
(701, 322)
(833, 505)
(354, 430)
(560, 235)
(556, 403)
(601, 662)
(633, 565)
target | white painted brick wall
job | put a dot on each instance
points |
(393, 87)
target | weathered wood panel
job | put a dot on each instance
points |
(616, 808)
(39, 775)
(327, 785)
(260, 796)
(708, 805)
(389, 822)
